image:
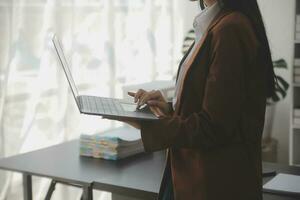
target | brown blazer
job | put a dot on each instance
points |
(214, 135)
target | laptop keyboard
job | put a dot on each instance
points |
(101, 105)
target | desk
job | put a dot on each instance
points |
(137, 177)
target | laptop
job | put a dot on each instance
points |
(102, 106)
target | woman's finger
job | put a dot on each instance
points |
(156, 103)
(132, 94)
(157, 112)
(158, 95)
(154, 111)
(153, 95)
(138, 95)
(145, 97)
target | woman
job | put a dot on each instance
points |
(213, 127)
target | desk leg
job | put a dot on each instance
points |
(87, 193)
(50, 190)
(27, 187)
(122, 197)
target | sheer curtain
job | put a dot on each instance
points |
(108, 43)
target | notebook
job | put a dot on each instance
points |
(285, 184)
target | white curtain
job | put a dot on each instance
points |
(108, 43)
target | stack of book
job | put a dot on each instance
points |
(112, 145)
(297, 116)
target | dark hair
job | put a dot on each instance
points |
(251, 9)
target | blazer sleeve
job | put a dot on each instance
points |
(217, 122)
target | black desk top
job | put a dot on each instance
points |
(138, 176)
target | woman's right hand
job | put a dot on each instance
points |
(154, 99)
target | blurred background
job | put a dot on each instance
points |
(109, 44)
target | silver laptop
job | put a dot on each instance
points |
(106, 107)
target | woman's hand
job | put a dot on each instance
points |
(154, 99)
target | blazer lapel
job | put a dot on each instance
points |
(198, 47)
(183, 59)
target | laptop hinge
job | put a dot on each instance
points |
(79, 101)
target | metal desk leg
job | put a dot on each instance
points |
(122, 197)
(27, 187)
(50, 190)
(87, 193)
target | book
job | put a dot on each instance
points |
(284, 184)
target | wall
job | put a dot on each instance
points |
(279, 19)
(187, 11)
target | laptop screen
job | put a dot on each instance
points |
(64, 63)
